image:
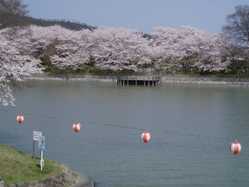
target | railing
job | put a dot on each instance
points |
(148, 78)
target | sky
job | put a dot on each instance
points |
(142, 15)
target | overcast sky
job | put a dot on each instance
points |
(142, 15)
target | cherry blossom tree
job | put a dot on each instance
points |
(173, 46)
(22, 51)
(13, 66)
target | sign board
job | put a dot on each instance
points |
(40, 139)
(37, 136)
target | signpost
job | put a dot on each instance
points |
(42, 147)
(42, 161)
(38, 137)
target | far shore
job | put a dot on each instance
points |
(165, 79)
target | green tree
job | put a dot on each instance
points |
(15, 7)
(237, 27)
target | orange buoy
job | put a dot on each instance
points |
(235, 147)
(146, 137)
(20, 119)
(76, 127)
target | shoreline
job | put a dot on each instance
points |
(166, 79)
(20, 169)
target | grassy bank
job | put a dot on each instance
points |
(17, 167)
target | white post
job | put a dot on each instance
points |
(42, 161)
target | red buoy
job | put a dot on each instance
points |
(76, 127)
(146, 137)
(20, 119)
(235, 147)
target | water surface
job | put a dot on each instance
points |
(191, 128)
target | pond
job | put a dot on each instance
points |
(191, 128)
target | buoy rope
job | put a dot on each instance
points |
(47, 117)
(110, 125)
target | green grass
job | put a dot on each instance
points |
(17, 167)
(84, 70)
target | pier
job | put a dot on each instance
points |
(138, 81)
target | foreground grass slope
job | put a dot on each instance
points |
(18, 167)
